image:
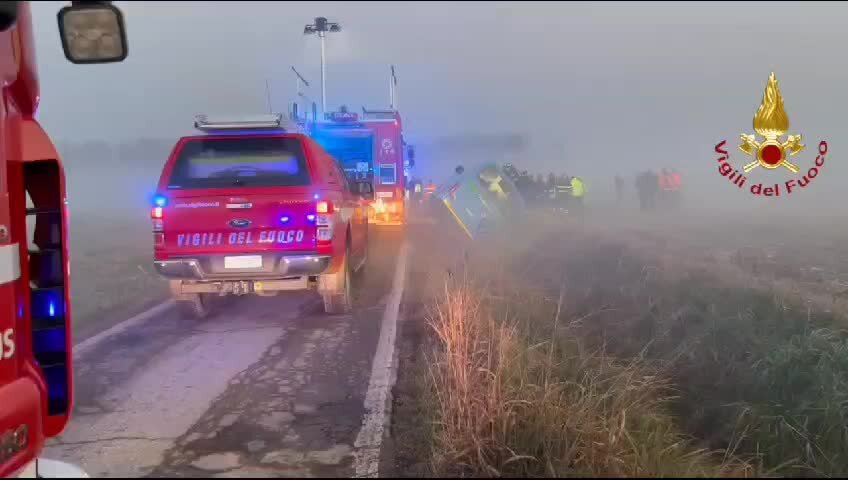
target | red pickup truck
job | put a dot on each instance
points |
(254, 206)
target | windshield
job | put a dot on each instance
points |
(240, 162)
(354, 153)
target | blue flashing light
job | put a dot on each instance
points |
(310, 217)
(284, 219)
(160, 200)
(316, 196)
(48, 303)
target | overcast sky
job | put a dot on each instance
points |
(600, 87)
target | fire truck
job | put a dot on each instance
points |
(36, 370)
(370, 147)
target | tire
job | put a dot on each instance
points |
(196, 306)
(338, 299)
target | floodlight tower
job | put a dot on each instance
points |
(321, 27)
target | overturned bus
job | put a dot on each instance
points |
(480, 198)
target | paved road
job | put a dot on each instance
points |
(267, 387)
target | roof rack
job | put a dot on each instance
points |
(275, 121)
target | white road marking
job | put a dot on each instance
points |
(383, 372)
(85, 345)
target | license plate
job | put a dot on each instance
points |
(250, 261)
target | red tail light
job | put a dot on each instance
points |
(156, 213)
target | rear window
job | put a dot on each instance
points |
(240, 162)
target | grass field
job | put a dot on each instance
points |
(111, 272)
(111, 243)
(635, 348)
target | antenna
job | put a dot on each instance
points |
(268, 94)
(299, 81)
(393, 90)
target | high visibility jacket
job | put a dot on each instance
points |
(676, 181)
(578, 189)
(665, 182)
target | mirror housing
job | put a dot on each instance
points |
(410, 155)
(365, 190)
(93, 32)
(8, 15)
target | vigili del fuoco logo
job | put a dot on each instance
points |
(772, 153)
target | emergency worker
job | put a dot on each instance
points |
(676, 186)
(430, 190)
(647, 187)
(539, 189)
(550, 190)
(563, 191)
(666, 187)
(578, 191)
(417, 190)
(619, 189)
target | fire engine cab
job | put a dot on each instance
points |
(36, 374)
(371, 148)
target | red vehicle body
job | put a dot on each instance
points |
(298, 227)
(370, 148)
(35, 321)
(36, 388)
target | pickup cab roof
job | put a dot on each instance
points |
(242, 160)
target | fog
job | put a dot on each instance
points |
(596, 88)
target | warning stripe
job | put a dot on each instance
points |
(10, 263)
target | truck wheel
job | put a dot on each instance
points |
(195, 306)
(336, 292)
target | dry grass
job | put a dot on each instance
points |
(759, 363)
(518, 394)
(658, 359)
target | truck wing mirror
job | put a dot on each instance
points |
(93, 33)
(410, 154)
(8, 15)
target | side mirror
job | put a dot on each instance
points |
(93, 33)
(8, 15)
(410, 155)
(365, 190)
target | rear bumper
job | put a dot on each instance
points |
(273, 266)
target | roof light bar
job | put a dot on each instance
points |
(379, 114)
(254, 122)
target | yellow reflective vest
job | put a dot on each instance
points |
(578, 189)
